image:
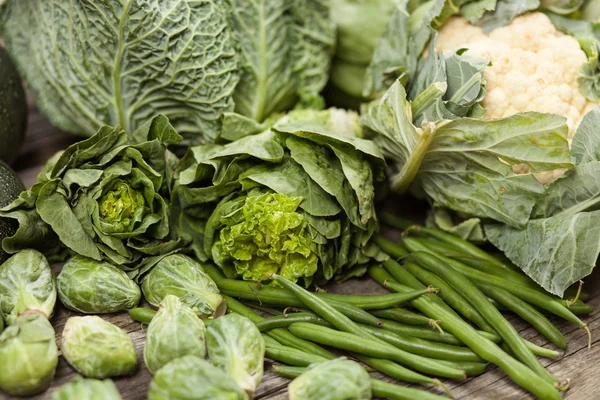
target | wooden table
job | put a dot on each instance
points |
(578, 363)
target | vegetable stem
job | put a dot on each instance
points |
(403, 179)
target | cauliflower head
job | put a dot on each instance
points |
(534, 67)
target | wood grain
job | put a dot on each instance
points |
(580, 365)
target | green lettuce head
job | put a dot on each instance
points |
(104, 198)
(296, 199)
(88, 389)
(191, 377)
(175, 331)
(96, 287)
(27, 285)
(334, 379)
(98, 349)
(28, 356)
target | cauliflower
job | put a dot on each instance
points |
(534, 68)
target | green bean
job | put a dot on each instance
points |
(541, 351)
(390, 247)
(396, 371)
(291, 356)
(445, 249)
(451, 297)
(283, 336)
(470, 367)
(254, 291)
(527, 313)
(142, 314)
(354, 313)
(499, 306)
(580, 308)
(424, 347)
(395, 221)
(572, 292)
(264, 309)
(283, 321)
(402, 315)
(379, 388)
(541, 300)
(484, 348)
(419, 332)
(478, 300)
(372, 348)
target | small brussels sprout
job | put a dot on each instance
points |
(26, 284)
(184, 277)
(235, 345)
(334, 379)
(28, 355)
(97, 349)
(96, 287)
(88, 389)
(175, 331)
(191, 377)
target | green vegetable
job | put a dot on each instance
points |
(309, 167)
(455, 163)
(235, 345)
(102, 198)
(190, 377)
(95, 287)
(184, 277)
(483, 347)
(175, 331)
(27, 284)
(28, 356)
(10, 190)
(562, 6)
(402, 315)
(89, 389)
(284, 321)
(339, 379)
(97, 349)
(141, 314)
(13, 113)
(263, 56)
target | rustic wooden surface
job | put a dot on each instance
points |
(580, 365)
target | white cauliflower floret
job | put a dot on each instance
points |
(534, 68)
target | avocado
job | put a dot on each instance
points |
(13, 109)
(10, 188)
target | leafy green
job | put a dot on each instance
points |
(235, 345)
(505, 12)
(285, 50)
(312, 167)
(457, 163)
(96, 348)
(470, 229)
(175, 331)
(92, 64)
(184, 277)
(337, 379)
(562, 6)
(28, 342)
(103, 198)
(181, 378)
(27, 284)
(89, 389)
(561, 244)
(95, 287)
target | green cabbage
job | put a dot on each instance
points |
(296, 199)
(112, 62)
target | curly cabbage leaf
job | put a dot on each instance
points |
(122, 62)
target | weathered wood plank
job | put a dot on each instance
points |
(577, 363)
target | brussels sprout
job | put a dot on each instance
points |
(28, 356)
(95, 287)
(183, 277)
(190, 377)
(334, 379)
(175, 331)
(235, 345)
(26, 284)
(97, 348)
(88, 389)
